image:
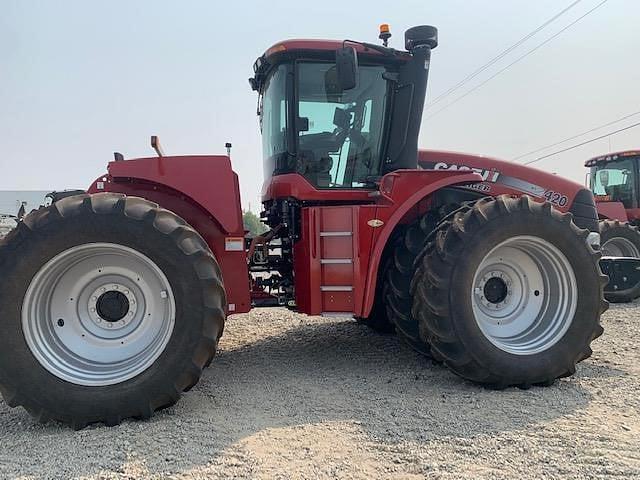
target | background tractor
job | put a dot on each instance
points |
(113, 300)
(613, 178)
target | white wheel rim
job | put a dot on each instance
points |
(620, 247)
(524, 295)
(98, 314)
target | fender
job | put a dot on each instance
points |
(404, 191)
(213, 221)
(502, 177)
(209, 180)
(612, 211)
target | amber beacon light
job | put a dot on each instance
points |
(385, 34)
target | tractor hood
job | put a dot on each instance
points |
(502, 177)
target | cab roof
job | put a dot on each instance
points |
(320, 45)
(611, 156)
(317, 47)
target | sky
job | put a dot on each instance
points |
(82, 79)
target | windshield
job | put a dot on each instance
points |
(615, 181)
(340, 134)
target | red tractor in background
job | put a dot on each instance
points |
(112, 301)
(613, 179)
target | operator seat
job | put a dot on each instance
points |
(317, 171)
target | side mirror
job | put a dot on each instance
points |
(347, 68)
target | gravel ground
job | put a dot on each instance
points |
(291, 396)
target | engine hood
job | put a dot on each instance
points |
(502, 177)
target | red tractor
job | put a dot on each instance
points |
(613, 179)
(113, 300)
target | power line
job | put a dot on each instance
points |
(575, 136)
(582, 143)
(516, 60)
(477, 72)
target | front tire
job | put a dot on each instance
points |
(110, 306)
(509, 293)
(619, 239)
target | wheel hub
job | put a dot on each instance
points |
(112, 306)
(494, 289)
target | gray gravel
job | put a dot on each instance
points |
(292, 396)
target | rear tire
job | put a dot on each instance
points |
(488, 263)
(84, 339)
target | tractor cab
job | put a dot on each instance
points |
(614, 178)
(341, 114)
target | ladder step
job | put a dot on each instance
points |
(336, 288)
(329, 261)
(336, 234)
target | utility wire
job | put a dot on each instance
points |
(516, 60)
(582, 143)
(575, 136)
(477, 72)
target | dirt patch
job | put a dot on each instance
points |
(292, 396)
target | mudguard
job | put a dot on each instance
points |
(203, 190)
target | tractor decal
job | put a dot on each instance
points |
(556, 198)
(495, 176)
(487, 175)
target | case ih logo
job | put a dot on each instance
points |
(487, 175)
